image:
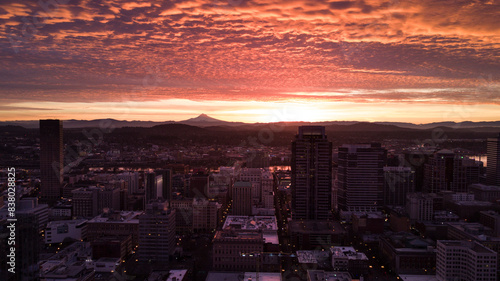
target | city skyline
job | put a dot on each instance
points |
(250, 61)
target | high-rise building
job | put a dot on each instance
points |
(493, 166)
(167, 184)
(51, 160)
(360, 176)
(311, 174)
(242, 198)
(262, 186)
(398, 182)
(420, 206)
(465, 260)
(132, 180)
(198, 185)
(449, 171)
(86, 202)
(157, 233)
(153, 187)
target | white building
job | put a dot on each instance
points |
(465, 260)
(57, 231)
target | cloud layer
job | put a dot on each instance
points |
(421, 51)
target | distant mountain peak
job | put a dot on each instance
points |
(203, 118)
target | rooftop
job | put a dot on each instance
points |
(348, 252)
(251, 223)
(312, 256)
(118, 217)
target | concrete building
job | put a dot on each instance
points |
(85, 202)
(465, 260)
(408, 253)
(157, 233)
(114, 224)
(262, 186)
(267, 225)
(490, 219)
(348, 259)
(360, 176)
(420, 206)
(242, 198)
(204, 215)
(482, 192)
(132, 181)
(237, 250)
(58, 231)
(112, 247)
(311, 174)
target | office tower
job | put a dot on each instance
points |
(204, 215)
(398, 182)
(420, 206)
(51, 160)
(167, 183)
(86, 202)
(311, 174)
(493, 166)
(237, 250)
(262, 186)
(242, 198)
(416, 160)
(198, 185)
(28, 245)
(465, 260)
(157, 233)
(449, 171)
(267, 190)
(108, 198)
(132, 180)
(360, 176)
(153, 186)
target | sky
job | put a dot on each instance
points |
(250, 60)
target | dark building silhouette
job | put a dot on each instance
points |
(311, 174)
(493, 166)
(198, 185)
(153, 186)
(449, 171)
(361, 176)
(398, 182)
(167, 183)
(157, 233)
(242, 198)
(51, 160)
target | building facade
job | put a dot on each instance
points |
(311, 174)
(51, 160)
(465, 260)
(360, 176)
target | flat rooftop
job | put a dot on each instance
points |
(118, 217)
(242, 276)
(251, 223)
(312, 256)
